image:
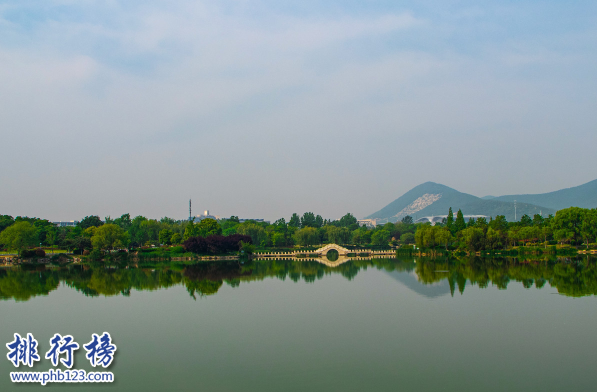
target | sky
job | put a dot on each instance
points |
(264, 108)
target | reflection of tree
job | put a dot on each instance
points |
(22, 285)
(206, 278)
(202, 287)
(570, 277)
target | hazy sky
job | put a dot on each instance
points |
(264, 108)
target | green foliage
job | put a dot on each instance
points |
(380, 237)
(166, 236)
(459, 224)
(90, 221)
(310, 220)
(338, 235)
(19, 236)
(450, 221)
(255, 231)
(203, 228)
(306, 236)
(568, 223)
(109, 236)
(176, 239)
(428, 236)
(247, 247)
(526, 220)
(473, 238)
(407, 220)
(295, 221)
(5, 221)
(407, 238)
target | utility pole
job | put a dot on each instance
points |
(515, 211)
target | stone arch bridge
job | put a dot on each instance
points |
(320, 255)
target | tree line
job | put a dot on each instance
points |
(573, 226)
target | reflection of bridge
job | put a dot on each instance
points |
(320, 255)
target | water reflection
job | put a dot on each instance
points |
(428, 277)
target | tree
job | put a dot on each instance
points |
(166, 236)
(278, 239)
(526, 220)
(570, 220)
(124, 221)
(90, 221)
(19, 236)
(493, 239)
(380, 237)
(499, 224)
(588, 229)
(203, 228)
(306, 236)
(348, 221)
(5, 221)
(407, 238)
(176, 239)
(473, 238)
(109, 236)
(450, 221)
(318, 221)
(407, 220)
(443, 236)
(460, 224)
(308, 220)
(338, 235)
(538, 220)
(253, 230)
(295, 221)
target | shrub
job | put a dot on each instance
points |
(215, 244)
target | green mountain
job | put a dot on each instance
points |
(584, 196)
(430, 199)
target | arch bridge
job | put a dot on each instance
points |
(320, 255)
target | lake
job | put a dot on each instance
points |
(379, 325)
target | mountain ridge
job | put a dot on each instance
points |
(430, 198)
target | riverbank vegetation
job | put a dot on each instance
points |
(571, 276)
(570, 229)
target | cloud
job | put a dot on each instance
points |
(221, 98)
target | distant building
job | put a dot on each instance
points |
(205, 215)
(367, 222)
(439, 218)
(66, 223)
(256, 220)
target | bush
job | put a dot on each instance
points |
(26, 253)
(215, 243)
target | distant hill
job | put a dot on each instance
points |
(584, 196)
(435, 199)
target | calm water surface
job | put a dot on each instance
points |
(382, 325)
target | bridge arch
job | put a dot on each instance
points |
(342, 251)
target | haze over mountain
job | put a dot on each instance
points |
(584, 196)
(430, 199)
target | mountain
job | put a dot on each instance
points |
(584, 196)
(435, 199)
